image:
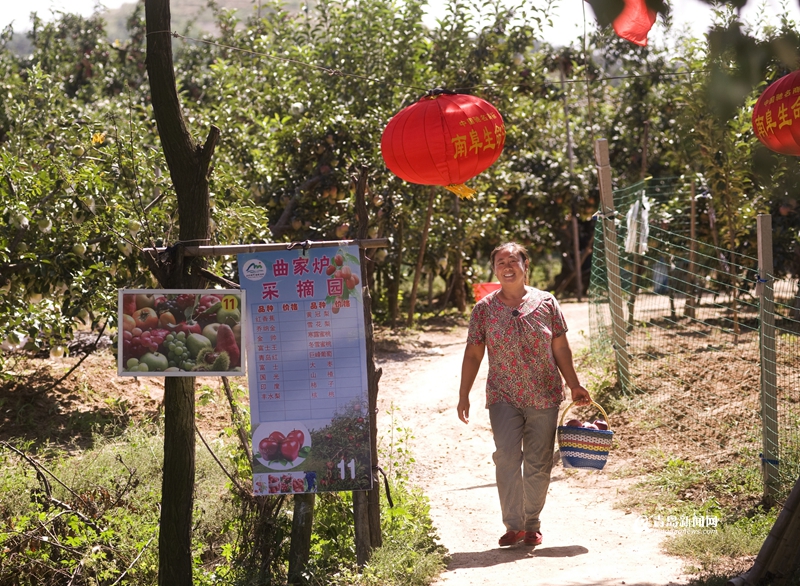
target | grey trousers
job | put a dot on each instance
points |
(524, 440)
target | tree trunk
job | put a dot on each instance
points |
(459, 293)
(420, 258)
(188, 166)
(177, 490)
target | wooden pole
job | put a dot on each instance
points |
(612, 260)
(300, 541)
(769, 383)
(689, 309)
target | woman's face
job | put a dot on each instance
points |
(509, 267)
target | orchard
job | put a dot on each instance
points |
(86, 187)
(294, 105)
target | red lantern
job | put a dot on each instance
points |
(776, 115)
(443, 139)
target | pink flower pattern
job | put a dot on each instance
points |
(522, 370)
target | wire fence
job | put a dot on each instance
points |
(691, 311)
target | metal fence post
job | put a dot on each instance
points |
(607, 213)
(769, 385)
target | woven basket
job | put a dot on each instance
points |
(583, 448)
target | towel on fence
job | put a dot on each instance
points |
(638, 226)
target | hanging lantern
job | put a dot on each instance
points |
(443, 139)
(776, 115)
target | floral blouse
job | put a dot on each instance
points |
(522, 369)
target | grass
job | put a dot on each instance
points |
(669, 490)
(87, 516)
(94, 514)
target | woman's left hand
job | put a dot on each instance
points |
(580, 395)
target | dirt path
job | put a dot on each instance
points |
(586, 540)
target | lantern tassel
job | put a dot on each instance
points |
(461, 190)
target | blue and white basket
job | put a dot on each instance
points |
(583, 448)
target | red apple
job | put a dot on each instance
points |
(574, 423)
(129, 304)
(268, 448)
(601, 424)
(290, 448)
(276, 436)
(296, 434)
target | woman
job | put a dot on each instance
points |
(524, 330)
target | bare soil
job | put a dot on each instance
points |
(588, 537)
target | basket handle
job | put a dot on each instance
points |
(561, 422)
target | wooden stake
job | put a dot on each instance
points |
(612, 260)
(689, 309)
(300, 542)
(769, 382)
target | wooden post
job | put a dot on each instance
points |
(689, 309)
(769, 384)
(300, 542)
(366, 505)
(612, 260)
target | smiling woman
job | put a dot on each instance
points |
(524, 332)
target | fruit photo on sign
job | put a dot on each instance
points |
(281, 445)
(342, 280)
(179, 333)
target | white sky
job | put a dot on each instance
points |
(568, 15)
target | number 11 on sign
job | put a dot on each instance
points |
(351, 465)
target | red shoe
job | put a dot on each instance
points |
(533, 538)
(511, 538)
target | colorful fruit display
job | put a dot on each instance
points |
(179, 333)
(341, 270)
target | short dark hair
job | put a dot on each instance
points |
(513, 247)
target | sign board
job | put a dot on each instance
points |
(171, 332)
(306, 352)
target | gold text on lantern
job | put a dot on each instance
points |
(478, 119)
(783, 116)
(490, 141)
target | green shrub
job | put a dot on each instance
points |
(88, 517)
